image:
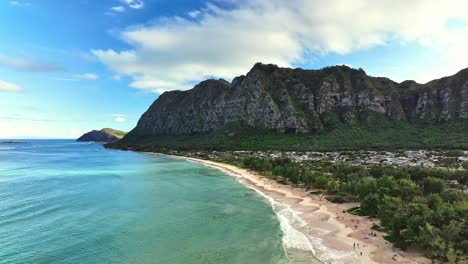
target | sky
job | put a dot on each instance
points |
(68, 67)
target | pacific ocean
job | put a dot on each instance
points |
(68, 202)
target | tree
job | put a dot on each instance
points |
(451, 196)
(451, 256)
(308, 177)
(366, 186)
(391, 214)
(388, 186)
(419, 215)
(433, 185)
(333, 186)
(321, 182)
(442, 212)
(407, 189)
(369, 204)
(465, 165)
(454, 232)
(265, 165)
(278, 170)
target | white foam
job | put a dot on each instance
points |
(7, 148)
(330, 255)
(295, 239)
(292, 238)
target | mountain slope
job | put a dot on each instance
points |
(103, 135)
(287, 101)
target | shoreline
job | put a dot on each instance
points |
(311, 221)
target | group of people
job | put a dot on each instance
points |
(367, 234)
(356, 245)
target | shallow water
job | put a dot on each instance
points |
(67, 202)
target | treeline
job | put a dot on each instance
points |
(414, 204)
(387, 136)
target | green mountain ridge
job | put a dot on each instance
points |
(290, 109)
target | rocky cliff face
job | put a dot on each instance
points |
(302, 101)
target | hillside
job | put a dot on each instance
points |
(331, 108)
(104, 135)
(114, 132)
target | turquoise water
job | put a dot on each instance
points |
(67, 202)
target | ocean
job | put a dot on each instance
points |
(68, 202)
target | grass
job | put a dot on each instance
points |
(355, 211)
(117, 133)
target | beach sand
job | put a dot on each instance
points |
(317, 231)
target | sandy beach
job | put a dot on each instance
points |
(318, 231)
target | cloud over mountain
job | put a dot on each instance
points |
(174, 52)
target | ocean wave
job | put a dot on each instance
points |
(6, 148)
(329, 255)
(293, 239)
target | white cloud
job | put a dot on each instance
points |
(16, 118)
(65, 79)
(78, 77)
(118, 8)
(29, 65)
(10, 87)
(18, 3)
(87, 76)
(174, 52)
(194, 13)
(135, 4)
(119, 118)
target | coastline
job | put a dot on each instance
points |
(315, 230)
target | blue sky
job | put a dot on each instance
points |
(67, 67)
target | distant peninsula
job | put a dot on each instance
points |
(14, 142)
(105, 135)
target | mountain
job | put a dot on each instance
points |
(304, 103)
(103, 135)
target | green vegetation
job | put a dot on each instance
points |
(355, 211)
(387, 136)
(465, 165)
(415, 205)
(117, 133)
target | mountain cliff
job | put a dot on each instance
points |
(297, 101)
(104, 135)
